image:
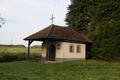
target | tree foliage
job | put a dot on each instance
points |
(2, 21)
(104, 28)
(78, 16)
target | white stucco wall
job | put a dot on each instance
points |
(63, 53)
(65, 46)
(43, 50)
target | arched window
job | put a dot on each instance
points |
(71, 48)
(78, 49)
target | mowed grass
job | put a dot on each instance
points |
(72, 70)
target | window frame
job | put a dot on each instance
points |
(78, 49)
(71, 49)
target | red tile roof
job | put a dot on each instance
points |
(55, 32)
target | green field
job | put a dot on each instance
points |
(72, 70)
(8, 54)
(18, 50)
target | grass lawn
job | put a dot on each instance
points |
(72, 70)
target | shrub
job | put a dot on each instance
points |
(8, 57)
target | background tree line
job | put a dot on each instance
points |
(100, 21)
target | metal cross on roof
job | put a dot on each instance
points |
(52, 18)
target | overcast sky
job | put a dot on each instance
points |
(24, 17)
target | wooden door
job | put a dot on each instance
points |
(51, 53)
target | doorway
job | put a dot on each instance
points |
(51, 51)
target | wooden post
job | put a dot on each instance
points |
(29, 42)
(28, 49)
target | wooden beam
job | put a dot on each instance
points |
(29, 42)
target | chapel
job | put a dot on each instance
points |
(60, 43)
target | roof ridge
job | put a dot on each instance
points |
(59, 26)
(50, 30)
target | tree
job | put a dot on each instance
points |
(78, 16)
(106, 44)
(2, 21)
(104, 28)
(106, 33)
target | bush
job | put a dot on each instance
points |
(8, 57)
